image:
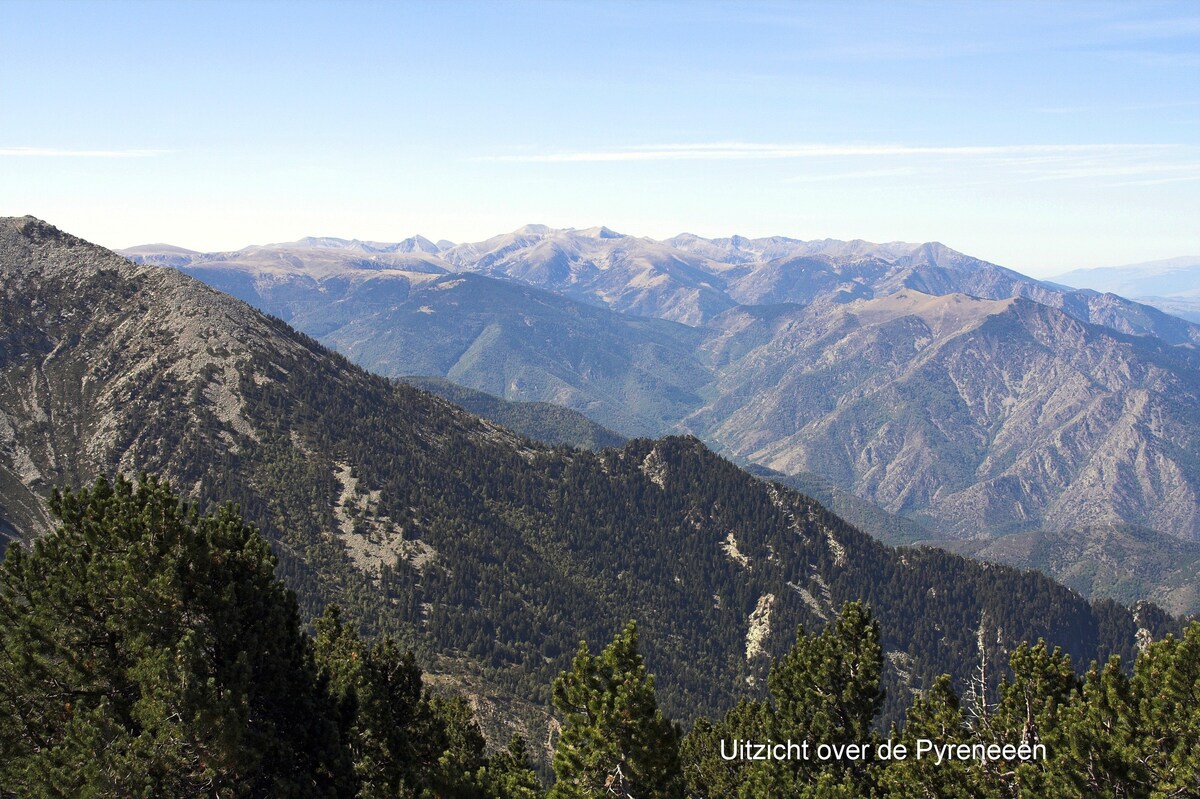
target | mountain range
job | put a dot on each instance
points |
(1171, 285)
(489, 553)
(963, 396)
(685, 279)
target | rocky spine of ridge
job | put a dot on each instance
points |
(886, 369)
(490, 555)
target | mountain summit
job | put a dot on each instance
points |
(490, 554)
(930, 383)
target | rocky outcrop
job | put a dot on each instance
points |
(982, 416)
(967, 398)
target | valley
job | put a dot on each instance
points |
(966, 400)
(487, 553)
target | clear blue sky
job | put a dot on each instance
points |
(1042, 136)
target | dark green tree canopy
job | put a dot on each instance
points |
(825, 690)
(615, 741)
(148, 650)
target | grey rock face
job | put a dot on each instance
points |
(98, 355)
(982, 416)
(933, 384)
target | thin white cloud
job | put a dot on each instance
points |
(865, 174)
(742, 151)
(1157, 182)
(1147, 58)
(1167, 28)
(57, 152)
(1176, 171)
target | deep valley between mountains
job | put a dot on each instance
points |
(924, 394)
(920, 409)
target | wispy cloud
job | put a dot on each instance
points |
(742, 151)
(1157, 58)
(1101, 165)
(863, 174)
(1190, 178)
(57, 152)
(1169, 172)
(1162, 28)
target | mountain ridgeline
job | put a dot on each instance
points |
(1172, 285)
(540, 421)
(961, 395)
(489, 554)
(209, 686)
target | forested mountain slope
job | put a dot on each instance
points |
(540, 421)
(492, 555)
(934, 385)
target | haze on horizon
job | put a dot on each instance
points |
(1043, 137)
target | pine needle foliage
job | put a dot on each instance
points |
(615, 741)
(147, 650)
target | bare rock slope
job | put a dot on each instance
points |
(489, 554)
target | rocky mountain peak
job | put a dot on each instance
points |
(26, 233)
(385, 497)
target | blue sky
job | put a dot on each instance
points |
(1043, 136)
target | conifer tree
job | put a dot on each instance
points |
(707, 773)
(615, 741)
(1166, 689)
(1101, 749)
(148, 650)
(935, 715)
(510, 774)
(404, 741)
(826, 690)
(386, 723)
(460, 770)
(1031, 712)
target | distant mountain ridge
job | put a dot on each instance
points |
(932, 384)
(1171, 285)
(690, 279)
(491, 554)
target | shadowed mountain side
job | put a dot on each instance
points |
(630, 374)
(490, 554)
(539, 421)
(1122, 563)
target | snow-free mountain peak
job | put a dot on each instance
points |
(688, 278)
(535, 230)
(1171, 285)
(601, 232)
(413, 244)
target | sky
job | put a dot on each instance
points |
(1041, 136)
